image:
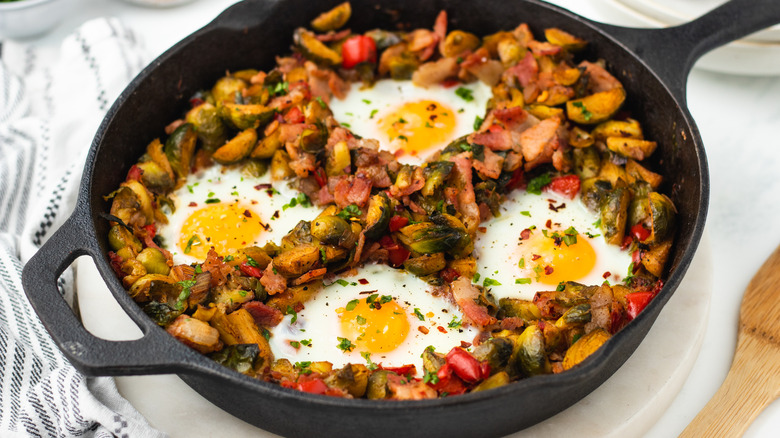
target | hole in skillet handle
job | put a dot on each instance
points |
(89, 354)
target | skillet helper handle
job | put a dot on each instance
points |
(89, 354)
(671, 52)
(752, 383)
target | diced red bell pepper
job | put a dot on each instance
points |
(151, 230)
(404, 370)
(134, 174)
(294, 115)
(449, 383)
(397, 222)
(465, 366)
(313, 386)
(356, 50)
(565, 185)
(449, 275)
(398, 256)
(320, 177)
(636, 302)
(640, 233)
(252, 271)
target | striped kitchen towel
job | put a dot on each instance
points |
(51, 104)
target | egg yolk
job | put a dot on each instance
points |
(550, 260)
(375, 327)
(226, 227)
(415, 127)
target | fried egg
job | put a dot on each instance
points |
(382, 315)
(411, 121)
(539, 241)
(222, 208)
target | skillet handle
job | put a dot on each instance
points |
(91, 355)
(671, 52)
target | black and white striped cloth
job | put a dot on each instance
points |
(51, 103)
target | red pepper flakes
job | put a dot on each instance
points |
(423, 330)
(363, 281)
(263, 186)
(441, 329)
(548, 270)
(193, 204)
(465, 344)
(535, 256)
(482, 229)
(525, 234)
(247, 213)
(548, 224)
(606, 275)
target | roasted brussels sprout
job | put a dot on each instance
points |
(496, 380)
(226, 89)
(458, 42)
(154, 261)
(377, 385)
(236, 149)
(314, 49)
(436, 175)
(587, 162)
(564, 39)
(584, 347)
(352, 379)
(180, 148)
(429, 238)
(631, 147)
(239, 357)
(516, 307)
(378, 216)
(614, 212)
(331, 230)
(297, 261)
(595, 108)
(338, 160)
(426, 264)
(333, 19)
(575, 316)
(529, 355)
(120, 237)
(497, 351)
(161, 313)
(155, 287)
(280, 166)
(662, 216)
(208, 125)
(246, 116)
(398, 61)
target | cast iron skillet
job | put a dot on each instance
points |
(653, 66)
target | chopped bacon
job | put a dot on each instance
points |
(526, 70)
(485, 69)
(403, 389)
(599, 79)
(513, 161)
(406, 188)
(465, 295)
(314, 273)
(543, 48)
(511, 117)
(173, 125)
(440, 25)
(536, 141)
(338, 86)
(351, 189)
(288, 132)
(265, 316)
(523, 34)
(511, 323)
(272, 282)
(361, 242)
(495, 140)
(325, 83)
(491, 164)
(325, 196)
(301, 163)
(435, 72)
(377, 173)
(466, 200)
(334, 36)
(217, 268)
(116, 264)
(195, 334)
(423, 42)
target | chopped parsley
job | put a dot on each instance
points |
(430, 377)
(306, 342)
(570, 236)
(536, 184)
(251, 262)
(487, 282)
(212, 201)
(301, 200)
(228, 258)
(346, 125)
(193, 240)
(455, 323)
(280, 88)
(295, 344)
(360, 320)
(367, 356)
(185, 293)
(373, 113)
(266, 334)
(587, 115)
(526, 213)
(342, 282)
(291, 311)
(321, 102)
(478, 122)
(303, 367)
(522, 281)
(561, 287)
(349, 211)
(345, 345)
(597, 224)
(351, 305)
(630, 275)
(323, 257)
(464, 93)
(367, 102)
(198, 269)
(476, 278)
(419, 314)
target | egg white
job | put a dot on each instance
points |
(363, 108)
(228, 185)
(496, 248)
(320, 324)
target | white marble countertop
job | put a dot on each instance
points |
(738, 118)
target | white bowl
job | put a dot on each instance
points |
(28, 18)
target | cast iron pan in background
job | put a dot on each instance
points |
(653, 66)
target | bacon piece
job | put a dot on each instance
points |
(377, 173)
(272, 282)
(491, 164)
(526, 70)
(523, 34)
(494, 140)
(265, 316)
(325, 83)
(511, 323)
(465, 295)
(440, 25)
(301, 163)
(466, 201)
(351, 189)
(217, 268)
(435, 72)
(599, 79)
(334, 36)
(361, 242)
(534, 140)
(173, 125)
(195, 334)
(511, 117)
(513, 161)
(314, 273)
(406, 188)
(403, 389)
(543, 48)
(423, 42)
(289, 133)
(325, 196)
(485, 69)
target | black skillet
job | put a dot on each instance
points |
(652, 64)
